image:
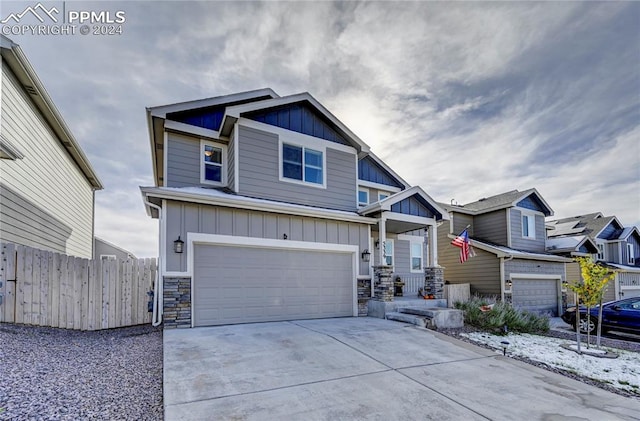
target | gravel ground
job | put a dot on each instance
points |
(607, 342)
(57, 374)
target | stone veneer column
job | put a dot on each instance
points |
(383, 284)
(176, 303)
(434, 281)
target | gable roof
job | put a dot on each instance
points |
(233, 113)
(507, 252)
(401, 183)
(15, 58)
(571, 245)
(387, 203)
(627, 231)
(591, 225)
(501, 201)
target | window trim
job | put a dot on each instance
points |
(393, 251)
(365, 190)
(421, 244)
(530, 217)
(303, 145)
(383, 193)
(603, 250)
(631, 259)
(223, 166)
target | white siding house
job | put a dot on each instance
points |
(47, 184)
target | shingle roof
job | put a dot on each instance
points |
(590, 225)
(499, 201)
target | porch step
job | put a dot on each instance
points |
(436, 317)
(407, 318)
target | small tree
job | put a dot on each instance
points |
(591, 289)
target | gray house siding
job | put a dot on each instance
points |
(460, 222)
(104, 248)
(184, 217)
(183, 163)
(481, 271)
(231, 163)
(491, 226)
(632, 239)
(47, 201)
(527, 244)
(613, 253)
(534, 267)
(27, 223)
(259, 174)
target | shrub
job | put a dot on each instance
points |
(500, 316)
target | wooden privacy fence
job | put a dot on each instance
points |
(44, 288)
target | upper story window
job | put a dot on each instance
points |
(212, 169)
(528, 225)
(303, 164)
(382, 195)
(631, 259)
(601, 254)
(363, 196)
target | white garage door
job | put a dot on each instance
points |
(536, 295)
(238, 284)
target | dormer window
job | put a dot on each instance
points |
(631, 259)
(213, 157)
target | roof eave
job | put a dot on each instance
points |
(19, 64)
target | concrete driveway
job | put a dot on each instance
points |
(362, 368)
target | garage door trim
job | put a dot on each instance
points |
(255, 242)
(557, 278)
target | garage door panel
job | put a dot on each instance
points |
(245, 284)
(536, 295)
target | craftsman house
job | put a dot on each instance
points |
(507, 234)
(608, 241)
(270, 209)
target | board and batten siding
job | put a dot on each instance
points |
(482, 272)
(259, 173)
(537, 244)
(46, 201)
(182, 218)
(491, 227)
(231, 162)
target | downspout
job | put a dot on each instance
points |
(156, 318)
(502, 278)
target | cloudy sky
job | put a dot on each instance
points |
(464, 99)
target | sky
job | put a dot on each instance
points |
(465, 99)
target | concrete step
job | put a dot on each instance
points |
(439, 318)
(406, 318)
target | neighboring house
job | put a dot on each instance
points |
(47, 184)
(270, 209)
(507, 233)
(610, 242)
(105, 250)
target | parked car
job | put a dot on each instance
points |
(621, 315)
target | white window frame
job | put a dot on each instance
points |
(381, 193)
(631, 260)
(421, 256)
(531, 225)
(223, 167)
(602, 251)
(386, 256)
(364, 190)
(304, 145)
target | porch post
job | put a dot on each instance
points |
(382, 234)
(433, 245)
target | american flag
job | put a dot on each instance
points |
(462, 241)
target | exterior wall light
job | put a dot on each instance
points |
(178, 245)
(366, 256)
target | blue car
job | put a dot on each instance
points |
(621, 315)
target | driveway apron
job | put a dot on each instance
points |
(362, 368)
